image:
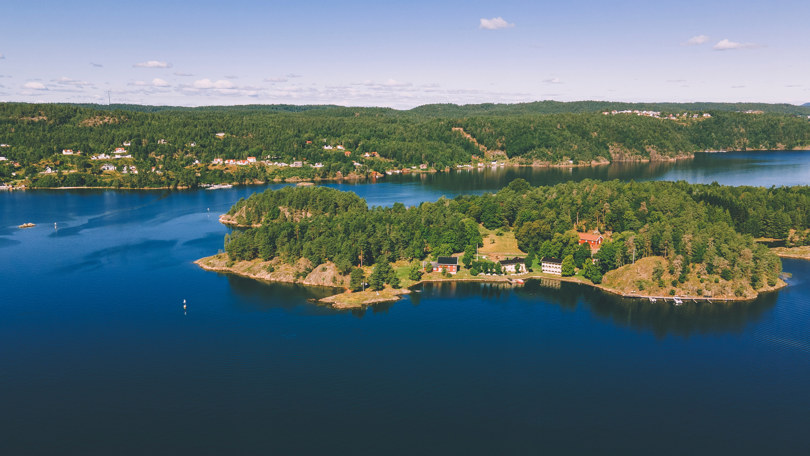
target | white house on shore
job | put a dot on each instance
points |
(551, 266)
(513, 265)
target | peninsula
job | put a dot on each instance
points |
(634, 239)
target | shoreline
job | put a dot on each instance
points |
(375, 178)
(352, 300)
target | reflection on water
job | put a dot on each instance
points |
(662, 318)
(255, 295)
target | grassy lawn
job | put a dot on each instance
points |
(500, 246)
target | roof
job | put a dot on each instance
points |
(589, 236)
(551, 260)
(515, 260)
(448, 260)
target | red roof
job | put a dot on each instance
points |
(589, 236)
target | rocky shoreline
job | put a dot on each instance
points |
(327, 275)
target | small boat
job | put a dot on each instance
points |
(652, 299)
(518, 281)
(27, 225)
(677, 301)
(219, 186)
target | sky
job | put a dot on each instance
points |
(403, 54)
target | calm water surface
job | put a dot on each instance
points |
(97, 355)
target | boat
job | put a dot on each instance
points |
(677, 301)
(219, 186)
(518, 281)
(652, 299)
(27, 225)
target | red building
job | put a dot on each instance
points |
(592, 239)
(450, 264)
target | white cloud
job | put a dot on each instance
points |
(178, 73)
(64, 81)
(157, 82)
(275, 80)
(696, 40)
(153, 64)
(292, 75)
(553, 81)
(496, 23)
(33, 85)
(2, 56)
(726, 45)
(209, 84)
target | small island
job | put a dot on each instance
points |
(646, 240)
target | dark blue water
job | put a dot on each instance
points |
(97, 355)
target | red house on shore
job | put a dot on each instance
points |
(446, 263)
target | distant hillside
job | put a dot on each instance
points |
(557, 107)
(484, 109)
(176, 146)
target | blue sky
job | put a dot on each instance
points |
(403, 54)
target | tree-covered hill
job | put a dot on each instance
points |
(171, 146)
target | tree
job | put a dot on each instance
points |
(415, 273)
(356, 279)
(530, 260)
(381, 274)
(469, 256)
(568, 268)
(592, 273)
(581, 254)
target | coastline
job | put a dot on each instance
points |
(798, 253)
(256, 269)
(509, 163)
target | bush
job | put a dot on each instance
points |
(672, 292)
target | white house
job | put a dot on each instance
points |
(511, 265)
(551, 266)
(67, 151)
(297, 164)
(108, 167)
(327, 147)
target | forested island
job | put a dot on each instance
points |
(660, 238)
(127, 146)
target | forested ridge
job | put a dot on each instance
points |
(170, 146)
(704, 231)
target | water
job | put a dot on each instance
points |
(734, 168)
(97, 355)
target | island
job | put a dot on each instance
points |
(646, 240)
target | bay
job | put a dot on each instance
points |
(97, 355)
